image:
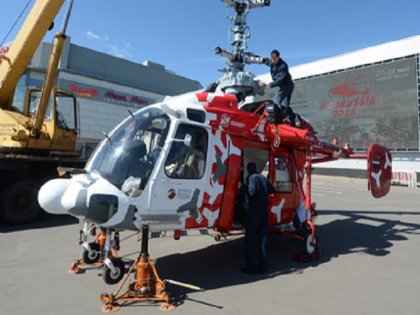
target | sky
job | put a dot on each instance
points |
(182, 34)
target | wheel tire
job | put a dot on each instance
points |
(310, 242)
(109, 277)
(19, 202)
(93, 257)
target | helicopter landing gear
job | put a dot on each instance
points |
(94, 253)
(310, 249)
(113, 271)
(147, 286)
(307, 233)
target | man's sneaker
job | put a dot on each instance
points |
(237, 225)
(286, 120)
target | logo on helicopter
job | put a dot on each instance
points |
(171, 193)
(226, 121)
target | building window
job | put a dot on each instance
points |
(187, 157)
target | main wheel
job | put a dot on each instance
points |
(113, 278)
(19, 202)
(310, 244)
(310, 241)
(93, 256)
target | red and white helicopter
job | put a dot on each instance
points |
(178, 165)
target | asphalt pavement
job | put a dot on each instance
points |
(369, 263)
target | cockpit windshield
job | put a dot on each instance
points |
(126, 158)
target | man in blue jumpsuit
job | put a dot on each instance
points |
(256, 224)
(283, 80)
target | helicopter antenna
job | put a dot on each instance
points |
(107, 137)
(230, 19)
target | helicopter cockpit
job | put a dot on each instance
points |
(126, 158)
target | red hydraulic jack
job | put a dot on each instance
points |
(147, 287)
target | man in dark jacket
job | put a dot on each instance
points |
(256, 225)
(283, 80)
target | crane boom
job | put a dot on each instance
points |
(24, 46)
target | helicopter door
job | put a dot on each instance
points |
(179, 184)
(286, 197)
(260, 158)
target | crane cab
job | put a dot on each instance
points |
(61, 124)
(60, 127)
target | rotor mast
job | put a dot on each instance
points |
(235, 79)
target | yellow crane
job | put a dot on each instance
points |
(41, 135)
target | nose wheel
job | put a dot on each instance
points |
(114, 270)
(102, 252)
(93, 255)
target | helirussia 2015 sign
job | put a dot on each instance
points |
(372, 104)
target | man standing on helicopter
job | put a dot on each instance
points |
(256, 223)
(283, 80)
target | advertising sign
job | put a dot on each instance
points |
(374, 104)
(104, 95)
(99, 94)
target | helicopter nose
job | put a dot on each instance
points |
(50, 195)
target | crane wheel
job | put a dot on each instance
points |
(19, 202)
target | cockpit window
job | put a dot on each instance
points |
(126, 158)
(187, 157)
